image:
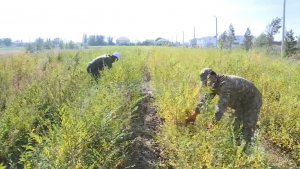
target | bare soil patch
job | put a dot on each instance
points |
(144, 152)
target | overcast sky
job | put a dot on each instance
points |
(140, 19)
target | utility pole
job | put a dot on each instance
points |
(194, 38)
(283, 30)
(183, 39)
(216, 32)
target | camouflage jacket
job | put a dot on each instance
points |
(99, 62)
(234, 92)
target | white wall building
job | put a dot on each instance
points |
(206, 42)
(239, 40)
(210, 41)
(193, 42)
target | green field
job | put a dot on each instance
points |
(53, 115)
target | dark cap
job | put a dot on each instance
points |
(205, 74)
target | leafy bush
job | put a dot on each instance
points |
(176, 82)
(54, 115)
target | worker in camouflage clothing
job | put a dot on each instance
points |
(100, 62)
(234, 92)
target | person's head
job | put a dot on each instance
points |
(207, 74)
(117, 55)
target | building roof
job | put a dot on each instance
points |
(162, 40)
(123, 38)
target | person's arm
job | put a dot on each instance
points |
(207, 97)
(89, 68)
(223, 102)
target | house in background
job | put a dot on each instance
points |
(162, 41)
(210, 41)
(206, 42)
(239, 40)
(193, 42)
(157, 39)
(122, 40)
(203, 42)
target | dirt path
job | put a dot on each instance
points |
(144, 153)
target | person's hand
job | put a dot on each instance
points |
(210, 126)
(190, 119)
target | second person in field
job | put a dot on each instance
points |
(98, 64)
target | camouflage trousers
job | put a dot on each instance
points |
(247, 116)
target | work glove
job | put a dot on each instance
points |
(210, 126)
(190, 119)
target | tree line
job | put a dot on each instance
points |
(5, 42)
(57, 43)
(100, 40)
(264, 40)
(97, 40)
(226, 40)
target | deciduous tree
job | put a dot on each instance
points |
(248, 39)
(290, 43)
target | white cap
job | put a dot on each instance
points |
(116, 54)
